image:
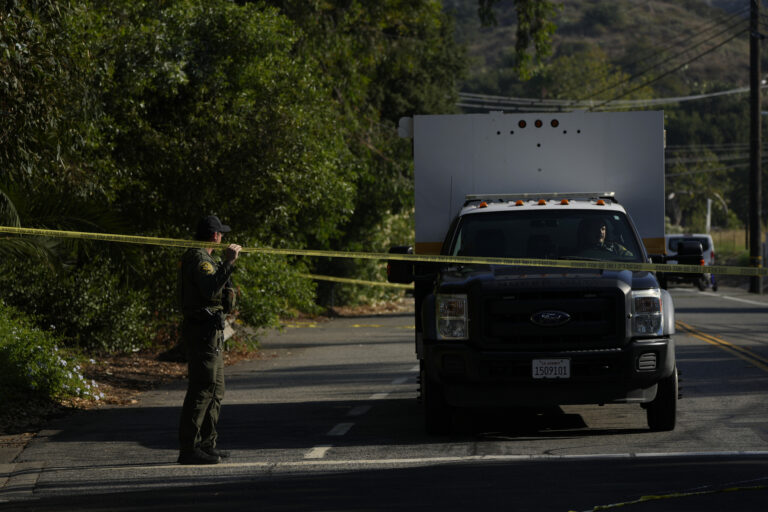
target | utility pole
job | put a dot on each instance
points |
(755, 237)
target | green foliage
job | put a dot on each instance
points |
(85, 306)
(604, 15)
(534, 28)
(63, 209)
(391, 230)
(692, 180)
(211, 111)
(31, 362)
(142, 116)
(47, 127)
(271, 288)
(585, 73)
(382, 60)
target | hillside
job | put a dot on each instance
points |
(652, 35)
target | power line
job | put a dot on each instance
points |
(707, 146)
(725, 18)
(677, 68)
(493, 102)
(669, 58)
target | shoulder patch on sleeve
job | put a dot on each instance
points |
(207, 268)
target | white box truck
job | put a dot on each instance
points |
(567, 186)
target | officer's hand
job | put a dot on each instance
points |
(232, 252)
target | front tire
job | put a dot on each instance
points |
(438, 415)
(662, 411)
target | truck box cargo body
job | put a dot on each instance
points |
(491, 185)
(456, 155)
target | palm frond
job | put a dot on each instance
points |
(56, 209)
(8, 214)
(42, 249)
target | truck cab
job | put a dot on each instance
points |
(516, 335)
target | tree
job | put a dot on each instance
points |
(583, 74)
(690, 184)
(382, 60)
(534, 28)
(45, 102)
(212, 110)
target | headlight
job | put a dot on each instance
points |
(452, 321)
(647, 319)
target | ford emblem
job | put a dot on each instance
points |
(550, 318)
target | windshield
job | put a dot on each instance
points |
(553, 234)
(675, 241)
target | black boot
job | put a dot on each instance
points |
(224, 454)
(197, 456)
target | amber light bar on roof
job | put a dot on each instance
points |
(546, 195)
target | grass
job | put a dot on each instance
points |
(729, 243)
(731, 247)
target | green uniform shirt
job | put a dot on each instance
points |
(201, 281)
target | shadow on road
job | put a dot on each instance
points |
(658, 484)
(303, 425)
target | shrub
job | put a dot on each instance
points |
(31, 362)
(86, 306)
(271, 288)
(392, 230)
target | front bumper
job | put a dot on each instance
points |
(473, 377)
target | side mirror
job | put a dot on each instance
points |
(399, 271)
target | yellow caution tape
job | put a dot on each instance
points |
(422, 258)
(347, 280)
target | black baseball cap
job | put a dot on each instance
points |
(210, 225)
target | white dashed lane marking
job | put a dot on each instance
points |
(318, 452)
(359, 410)
(340, 429)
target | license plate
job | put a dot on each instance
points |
(551, 369)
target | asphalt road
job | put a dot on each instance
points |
(328, 420)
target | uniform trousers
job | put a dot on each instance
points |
(205, 391)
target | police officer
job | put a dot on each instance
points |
(203, 283)
(592, 233)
